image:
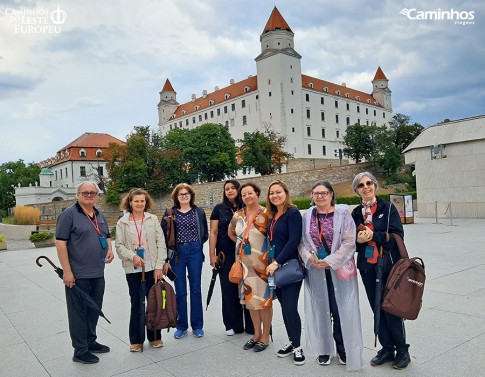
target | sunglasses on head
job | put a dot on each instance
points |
(362, 185)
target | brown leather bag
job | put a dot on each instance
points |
(236, 272)
(403, 294)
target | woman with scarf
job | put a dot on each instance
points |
(381, 220)
(331, 288)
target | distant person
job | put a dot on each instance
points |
(234, 315)
(84, 247)
(140, 242)
(191, 233)
(331, 287)
(285, 230)
(248, 229)
(381, 220)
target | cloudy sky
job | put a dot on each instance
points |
(69, 67)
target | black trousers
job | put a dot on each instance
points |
(288, 297)
(134, 282)
(234, 315)
(392, 334)
(82, 319)
(337, 328)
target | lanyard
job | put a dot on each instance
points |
(273, 223)
(95, 222)
(141, 228)
(246, 235)
(320, 227)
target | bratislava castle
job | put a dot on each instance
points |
(312, 113)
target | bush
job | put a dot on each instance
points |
(25, 215)
(2, 238)
(112, 231)
(41, 236)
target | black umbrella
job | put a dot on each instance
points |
(221, 258)
(142, 316)
(379, 287)
(89, 301)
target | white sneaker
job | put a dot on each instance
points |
(298, 356)
(230, 332)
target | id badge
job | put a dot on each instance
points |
(140, 252)
(321, 253)
(103, 242)
(247, 248)
(271, 283)
(369, 251)
(272, 251)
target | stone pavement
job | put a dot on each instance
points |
(448, 339)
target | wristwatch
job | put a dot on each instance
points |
(276, 263)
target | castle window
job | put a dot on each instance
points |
(205, 116)
(226, 96)
(337, 92)
(233, 107)
(336, 118)
(212, 113)
(322, 115)
(348, 106)
(336, 104)
(184, 112)
(246, 89)
(307, 97)
(357, 98)
(322, 101)
(193, 120)
(375, 113)
(337, 133)
(225, 109)
(347, 95)
(218, 112)
(200, 117)
(308, 113)
(308, 131)
(82, 171)
(309, 148)
(325, 89)
(270, 94)
(243, 103)
(358, 108)
(367, 111)
(348, 121)
(211, 102)
(310, 85)
(324, 150)
(244, 120)
(187, 122)
(323, 133)
(99, 153)
(82, 153)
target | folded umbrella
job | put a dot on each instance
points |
(378, 296)
(83, 295)
(221, 258)
(142, 312)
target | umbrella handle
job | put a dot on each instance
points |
(47, 259)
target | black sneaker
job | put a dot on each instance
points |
(86, 358)
(98, 348)
(298, 356)
(324, 359)
(342, 358)
(382, 357)
(402, 360)
(286, 350)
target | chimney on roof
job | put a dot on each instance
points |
(204, 93)
(250, 76)
(231, 81)
(216, 89)
(344, 84)
(193, 97)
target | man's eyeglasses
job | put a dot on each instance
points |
(323, 194)
(184, 194)
(362, 185)
(87, 194)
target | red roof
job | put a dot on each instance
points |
(167, 87)
(276, 22)
(90, 142)
(380, 75)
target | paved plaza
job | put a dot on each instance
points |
(448, 338)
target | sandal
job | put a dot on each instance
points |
(260, 346)
(249, 344)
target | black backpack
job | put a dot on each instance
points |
(161, 307)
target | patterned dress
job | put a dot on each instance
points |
(254, 290)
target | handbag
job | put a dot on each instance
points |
(289, 273)
(236, 272)
(348, 270)
(403, 294)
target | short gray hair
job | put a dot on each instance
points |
(78, 187)
(359, 176)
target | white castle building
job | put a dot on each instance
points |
(312, 113)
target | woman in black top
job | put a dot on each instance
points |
(285, 230)
(235, 317)
(381, 221)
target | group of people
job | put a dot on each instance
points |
(263, 239)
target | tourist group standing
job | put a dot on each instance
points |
(278, 248)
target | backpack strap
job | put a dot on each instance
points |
(401, 247)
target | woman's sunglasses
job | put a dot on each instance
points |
(362, 185)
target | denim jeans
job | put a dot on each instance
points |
(190, 260)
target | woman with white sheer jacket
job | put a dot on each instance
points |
(331, 289)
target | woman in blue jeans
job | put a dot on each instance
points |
(191, 231)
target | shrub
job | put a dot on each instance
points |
(25, 215)
(112, 231)
(2, 238)
(41, 236)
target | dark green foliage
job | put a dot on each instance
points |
(41, 236)
(11, 174)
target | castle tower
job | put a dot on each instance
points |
(380, 89)
(168, 103)
(279, 82)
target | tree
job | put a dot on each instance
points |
(208, 151)
(263, 151)
(404, 132)
(357, 141)
(11, 174)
